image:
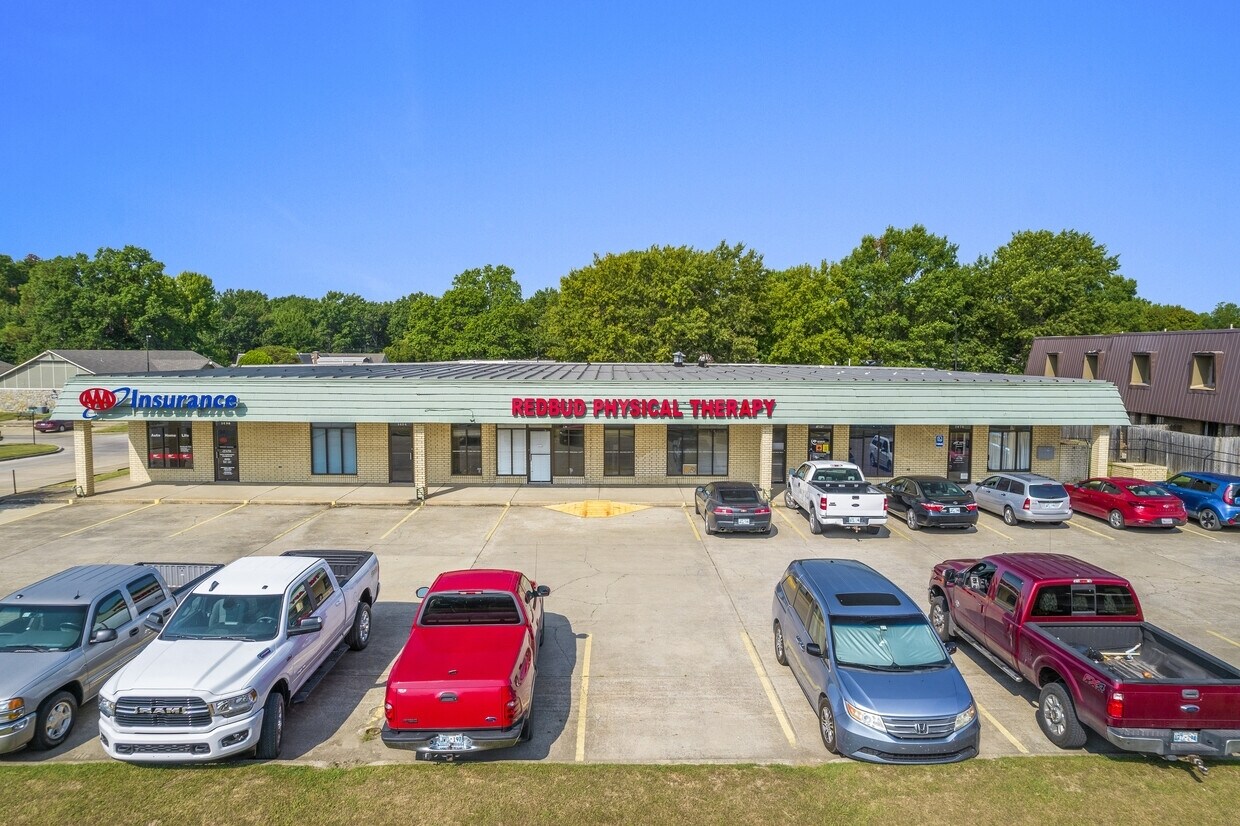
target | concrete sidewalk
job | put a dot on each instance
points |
(122, 491)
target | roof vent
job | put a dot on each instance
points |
(678, 359)
(704, 359)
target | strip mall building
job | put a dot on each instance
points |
(498, 423)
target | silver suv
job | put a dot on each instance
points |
(1023, 497)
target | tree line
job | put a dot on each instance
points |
(902, 298)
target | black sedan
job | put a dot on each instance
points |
(732, 506)
(931, 501)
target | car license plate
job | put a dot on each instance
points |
(742, 520)
(852, 520)
(1050, 506)
(451, 742)
(953, 510)
(1183, 737)
(1167, 521)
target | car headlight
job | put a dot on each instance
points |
(106, 707)
(232, 706)
(965, 717)
(13, 709)
(865, 718)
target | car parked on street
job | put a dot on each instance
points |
(1213, 499)
(883, 685)
(1023, 497)
(53, 425)
(931, 501)
(63, 636)
(732, 506)
(1126, 502)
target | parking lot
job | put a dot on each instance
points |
(658, 646)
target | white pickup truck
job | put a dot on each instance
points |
(835, 493)
(247, 642)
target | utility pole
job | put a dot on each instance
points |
(148, 352)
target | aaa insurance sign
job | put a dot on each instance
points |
(98, 400)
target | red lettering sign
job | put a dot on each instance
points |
(566, 408)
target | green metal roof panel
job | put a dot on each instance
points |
(484, 392)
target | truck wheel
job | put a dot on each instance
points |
(359, 634)
(815, 527)
(1209, 520)
(1116, 520)
(271, 736)
(940, 619)
(781, 653)
(789, 502)
(54, 721)
(1057, 717)
(826, 726)
(1009, 515)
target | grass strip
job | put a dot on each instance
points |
(20, 450)
(1017, 790)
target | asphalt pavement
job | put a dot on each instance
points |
(32, 472)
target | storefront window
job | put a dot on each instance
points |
(1009, 448)
(171, 445)
(568, 450)
(510, 451)
(873, 448)
(820, 441)
(333, 449)
(466, 450)
(618, 450)
(697, 451)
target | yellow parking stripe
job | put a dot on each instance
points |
(1202, 534)
(891, 526)
(984, 526)
(1091, 530)
(692, 522)
(106, 521)
(401, 522)
(1020, 747)
(771, 697)
(308, 519)
(495, 527)
(583, 700)
(210, 519)
(1224, 639)
(790, 523)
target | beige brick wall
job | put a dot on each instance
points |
(1043, 436)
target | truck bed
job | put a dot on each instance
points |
(1138, 652)
(344, 564)
(182, 577)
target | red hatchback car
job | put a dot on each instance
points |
(1125, 502)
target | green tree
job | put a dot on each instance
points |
(290, 321)
(1224, 316)
(482, 316)
(269, 354)
(644, 305)
(805, 312)
(239, 323)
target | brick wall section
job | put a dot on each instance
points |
(1043, 436)
(765, 441)
(839, 443)
(745, 452)
(84, 458)
(796, 449)
(1100, 451)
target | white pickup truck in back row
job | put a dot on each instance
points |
(835, 493)
(248, 641)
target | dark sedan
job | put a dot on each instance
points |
(732, 506)
(53, 425)
(1125, 502)
(931, 501)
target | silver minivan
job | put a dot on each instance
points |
(1023, 497)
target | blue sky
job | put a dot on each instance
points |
(382, 148)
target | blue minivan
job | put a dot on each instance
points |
(884, 686)
(1213, 499)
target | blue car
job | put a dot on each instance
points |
(1213, 499)
(884, 687)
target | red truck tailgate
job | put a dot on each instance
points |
(454, 677)
(1180, 706)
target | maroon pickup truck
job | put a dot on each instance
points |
(1076, 633)
(465, 679)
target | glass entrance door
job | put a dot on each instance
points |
(227, 464)
(400, 453)
(959, 453)
(779, 450)
(540, 455)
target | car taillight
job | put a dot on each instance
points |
(933, 507)
(762, 510)
(972, 506)
(1027, 506)
(822, 503)
(1229, 496)
(884, 504)
(510, 707)
(721, 509)
(1115, 705)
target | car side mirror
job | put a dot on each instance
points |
(309, 625)
(949, 576)
(813, 649)
(542, 591)
(700, 489)
(154, 621)
(951, 646)
(103, 635)
(422, 592)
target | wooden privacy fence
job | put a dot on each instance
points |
(1155, 444)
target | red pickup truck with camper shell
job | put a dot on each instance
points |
(1076, 632)
(464, 681)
